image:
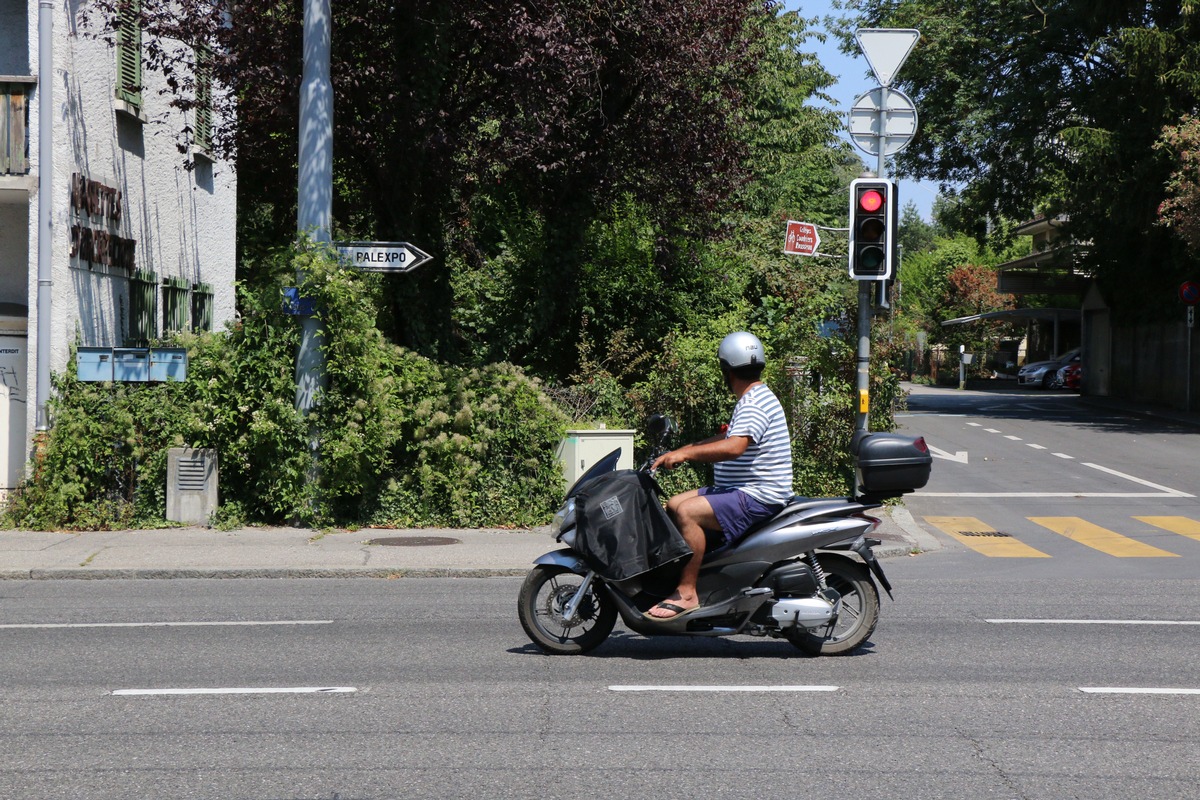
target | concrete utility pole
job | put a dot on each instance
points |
(314, 215)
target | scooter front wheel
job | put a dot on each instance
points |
(545, 594)
(857, 619)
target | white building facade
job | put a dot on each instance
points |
(139, 244)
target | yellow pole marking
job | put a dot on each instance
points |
(983, 539)
(1181, 525)
(1101, 539)
(864, 401)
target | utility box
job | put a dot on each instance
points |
(168, 364)
(191, 484)
(131, 364)
(583, 448)
(94, 364)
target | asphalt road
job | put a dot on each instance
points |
(1053, 485)
(439, 694)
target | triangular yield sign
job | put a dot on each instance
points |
(886, 49)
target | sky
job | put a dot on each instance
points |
(854, 79)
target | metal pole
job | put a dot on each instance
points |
(315, 201)
(863, 381)
(45, 209)
(865, 289)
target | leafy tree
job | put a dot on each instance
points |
(916, 235)
(1054, 106)
(1181, 208)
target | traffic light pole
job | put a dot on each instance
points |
(865, 291)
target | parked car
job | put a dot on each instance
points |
(1043, 373)
(1070, 376)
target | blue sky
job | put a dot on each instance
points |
(855, 78)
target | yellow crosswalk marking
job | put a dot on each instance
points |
(1101, 539)
(1181, 525)
(984, 539)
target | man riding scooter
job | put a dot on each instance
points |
(752, 469)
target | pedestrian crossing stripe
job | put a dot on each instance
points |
(984, 539)
(1102, 539)
(1181, 525)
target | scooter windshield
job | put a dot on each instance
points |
(604, 465)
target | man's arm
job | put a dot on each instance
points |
(710, 451)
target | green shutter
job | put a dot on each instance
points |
(204, 109)
(202, 303)
(143, 308)
(176, 307)
(129, 53)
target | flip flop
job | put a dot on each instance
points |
(680, 611)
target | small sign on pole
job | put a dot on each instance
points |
(802, 239)
(1189, 292)
(383, 256)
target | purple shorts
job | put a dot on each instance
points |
(736, 511)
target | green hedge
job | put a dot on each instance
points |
(402, 440)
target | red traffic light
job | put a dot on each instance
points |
(870, 201)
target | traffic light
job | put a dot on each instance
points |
(873, 223)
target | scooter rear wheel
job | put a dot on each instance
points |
(857, 619)
(545, 593)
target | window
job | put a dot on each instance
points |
(129, 54)
(204, 110)
(202, 307)
(176, 307)
(143, 309)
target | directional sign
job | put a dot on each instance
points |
(886, 49)
(383, 256)
(802, 239)
(901, 121)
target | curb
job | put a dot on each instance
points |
(925, 542)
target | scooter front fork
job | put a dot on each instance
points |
(571, 609)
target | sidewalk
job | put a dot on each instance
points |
(305, 553)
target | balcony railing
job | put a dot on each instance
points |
(14, 123)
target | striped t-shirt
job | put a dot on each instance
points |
(764, 471)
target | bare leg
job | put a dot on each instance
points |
(692, 514)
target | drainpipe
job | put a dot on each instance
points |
(45, 209)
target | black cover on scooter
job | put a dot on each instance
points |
(623, 530)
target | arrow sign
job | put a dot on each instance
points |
(959, 455)
(886, 49)
(802, 239)
(383, 256)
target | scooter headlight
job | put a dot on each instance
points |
(565, 518)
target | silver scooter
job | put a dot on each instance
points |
(792, 576)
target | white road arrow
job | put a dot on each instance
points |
(960, 456)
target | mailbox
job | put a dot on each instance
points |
(94, 364)
(168, 364)
(131, 364)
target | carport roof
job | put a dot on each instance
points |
(1021, 314)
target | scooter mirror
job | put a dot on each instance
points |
(660, 427)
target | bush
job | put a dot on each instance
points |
(402, 439)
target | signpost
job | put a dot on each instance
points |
(886, 50)
(880, 131)
(1189, 292)
(802, 239)
(394, 257)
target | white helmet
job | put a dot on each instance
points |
(741, 349)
